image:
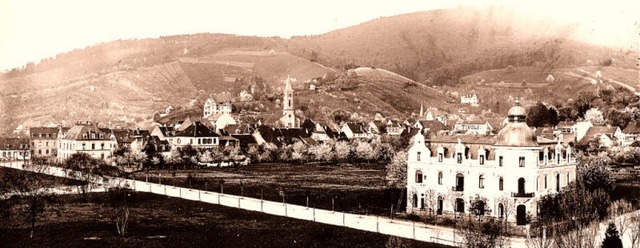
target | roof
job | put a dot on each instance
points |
(516, 134)
(76, 132)
(51, 131)
(197, 129)
(381, 125)
(357, 127)
(466, 138)
(565, 124)
(280, 136)
(168, 131)
(632, 128)
(593, 132)
(433, 126)
(245, 138)
(14, 144)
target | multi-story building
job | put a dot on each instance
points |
(217, 107)
(87, 138)
(471, 99)
(507, 173)
(197, 136)
(44, 141)
(14, 149)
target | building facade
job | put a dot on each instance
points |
(471, 99)
(89, 139)
(507, 173)
(44, 141)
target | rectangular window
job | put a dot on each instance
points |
(481, 159)
(440, 157)
(93, 146)
(500, 161)
(418, 156)
(521, 161)
(459, 158)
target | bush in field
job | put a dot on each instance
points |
(322, 151)
(342, 151)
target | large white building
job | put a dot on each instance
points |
(508, 172)
(213, 107)
(86, 138)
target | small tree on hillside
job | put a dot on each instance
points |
(612, 238)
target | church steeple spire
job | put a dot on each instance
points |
(288, 113)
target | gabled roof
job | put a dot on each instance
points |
(357, 127)
(195, 130)
(380, 125)
(565, 124)
(597, 131)
(632, 128)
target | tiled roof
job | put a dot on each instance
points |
(596, 131)
(357, 127)
(197, 129)
(280, 136)
(632, 128)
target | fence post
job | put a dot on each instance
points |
(261, 203)
(414, 230)
(377, 224)
(219, 198)
(199, 195)
(285, 210)
(314, 214)
(165, 189)
(238, 202)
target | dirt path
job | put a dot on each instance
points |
(632, 89)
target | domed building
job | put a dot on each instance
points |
(507, 172)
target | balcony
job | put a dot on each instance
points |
(457, 188)
(523, 195)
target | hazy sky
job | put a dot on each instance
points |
(31, 30)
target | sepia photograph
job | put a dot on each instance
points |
(296, 123)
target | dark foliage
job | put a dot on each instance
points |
(612, 237)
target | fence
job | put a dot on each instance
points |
(399, 228)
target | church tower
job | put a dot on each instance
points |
(288, 113)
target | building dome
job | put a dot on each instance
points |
(517, 133)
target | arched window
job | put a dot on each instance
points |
(521, 188)
(418, 176)
(415, 200)
(440, 178)
(481, 181)
(501, 184)
(459, 182)
(500, 210)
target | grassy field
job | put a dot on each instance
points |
(50, 181)
(350, 188)
(158, 221)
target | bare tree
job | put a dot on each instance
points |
(120, 199)
(618, 212)
(577, 235)
(635, 229)
(431, 201)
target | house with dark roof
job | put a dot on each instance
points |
(197, 136)
(631, 133)
(44, 141)
(604, 136)
(378, 127)
(266, 135)
(357, 130)
(395, 127)
(15, 149)
(322, 133)
(133, 139)
(430, 127)
(87, 138)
